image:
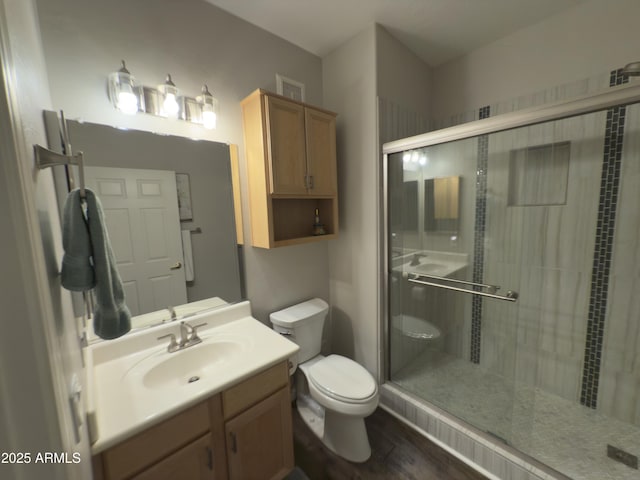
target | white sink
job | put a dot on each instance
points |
(134, 382)
(431, 268)
(431, 262)
(185, 367)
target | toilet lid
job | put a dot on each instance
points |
(343, 378)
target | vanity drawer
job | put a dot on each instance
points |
(249, 392)
(146, 448)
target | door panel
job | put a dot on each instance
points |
(286, 144)
(321, 151)
(141, 214)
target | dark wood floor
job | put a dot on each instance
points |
(398, 453)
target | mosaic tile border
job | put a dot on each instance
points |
(478, 240)
(605, 230)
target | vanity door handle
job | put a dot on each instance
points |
(176, 266)
(209, 458)
(234, 444)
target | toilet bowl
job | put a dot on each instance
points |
(333, 394)
(414, 327)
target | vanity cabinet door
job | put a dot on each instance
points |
(192, 462)
(260, 440)
(141, 452)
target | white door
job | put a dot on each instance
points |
(141, 215)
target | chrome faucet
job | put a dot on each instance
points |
(172, 311)
(188, 337)
(416, 259)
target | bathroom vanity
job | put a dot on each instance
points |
(220, 409)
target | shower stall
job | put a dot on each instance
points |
(512, 290)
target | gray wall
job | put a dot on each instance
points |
(370, 71)
(197, 43)
(579, 43)
(39, 351)
(349, 88)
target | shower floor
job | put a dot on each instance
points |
(557, 432)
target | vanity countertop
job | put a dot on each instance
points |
(430, 263)
(134, 382)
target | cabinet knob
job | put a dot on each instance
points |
(209, 458)
(234, 445)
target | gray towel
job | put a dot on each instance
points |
(111, 318)
(77, 274)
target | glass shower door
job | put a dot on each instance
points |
(452, 328)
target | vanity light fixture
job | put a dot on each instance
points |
(123, 91)
(129, 97)
(209, 107)
(169, 98)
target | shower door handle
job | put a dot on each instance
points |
(510, 296)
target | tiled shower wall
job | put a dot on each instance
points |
(619, 388)
(545, 252)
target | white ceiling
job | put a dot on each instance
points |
(436, 30)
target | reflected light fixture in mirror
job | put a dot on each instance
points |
(209, 107)
(169, 106)
(122, 91)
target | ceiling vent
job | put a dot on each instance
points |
(289, 88)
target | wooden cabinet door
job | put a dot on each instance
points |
(320, 131)
(286, 146)
(192, 462)
(260, 440)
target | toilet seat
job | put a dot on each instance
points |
(343, 379)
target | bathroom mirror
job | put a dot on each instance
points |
(152, 242)
(441, 204)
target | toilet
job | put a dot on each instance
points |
(333, 394)
(416, 328)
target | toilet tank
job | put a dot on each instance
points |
(304, 323)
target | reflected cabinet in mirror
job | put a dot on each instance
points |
(174, 240)
(441, 204)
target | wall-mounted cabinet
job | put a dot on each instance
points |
(291, 164)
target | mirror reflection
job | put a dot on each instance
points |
(441, 204)
(169, 210)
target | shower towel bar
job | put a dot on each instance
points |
(510, 296)
(490, 288)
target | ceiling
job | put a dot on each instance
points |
(436, 30)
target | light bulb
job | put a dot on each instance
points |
(209, 120)
(170, 105)
(209, 107)
(127, 103)
(121, 91)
